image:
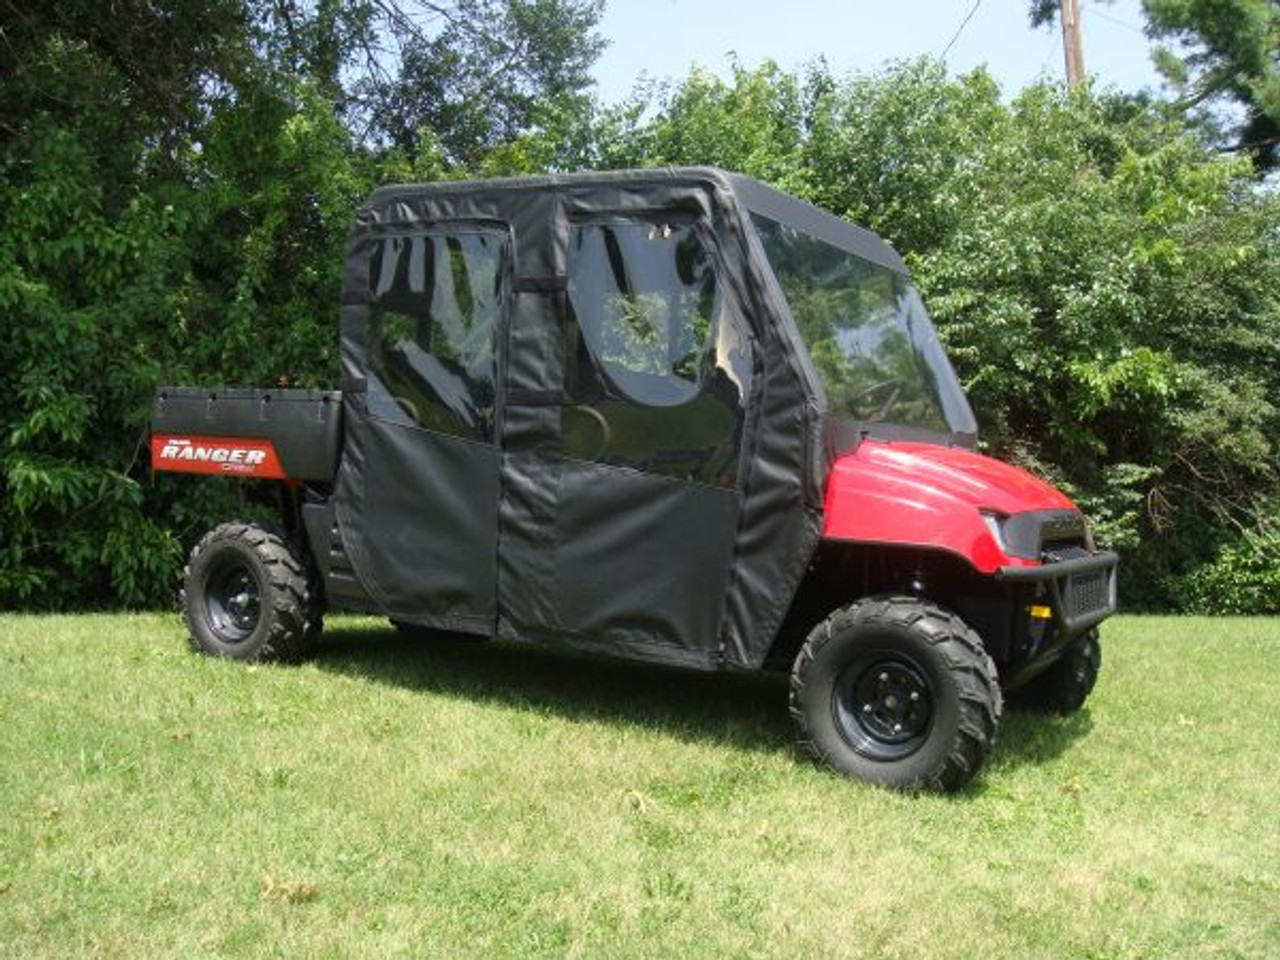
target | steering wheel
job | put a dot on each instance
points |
(602, 425)
(892, 389)
(408, 406)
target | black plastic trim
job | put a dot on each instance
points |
(845, 435)
(818, 223)
(1026, 533)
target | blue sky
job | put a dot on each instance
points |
(664, 37)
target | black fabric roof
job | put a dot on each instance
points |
(755, 196)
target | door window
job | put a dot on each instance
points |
(643, 295)
(437, 301)
(658, 370)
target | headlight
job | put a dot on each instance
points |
(995, 524)
(1026, 534)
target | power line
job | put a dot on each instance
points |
(1096, 11)
(1052, 53)
(960, 29)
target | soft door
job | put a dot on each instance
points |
(622, 538)
(418, 489)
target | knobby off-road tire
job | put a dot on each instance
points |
(1066, 685)
(896, 691)
(250, 594)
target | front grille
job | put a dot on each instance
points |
(1087, 593)
(1057, 552)
(1080, 584)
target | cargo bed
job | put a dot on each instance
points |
(275, 434)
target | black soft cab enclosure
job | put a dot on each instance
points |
(573, 414)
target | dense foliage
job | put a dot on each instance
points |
(1224, 52)
(176, 184)
(1222, 60)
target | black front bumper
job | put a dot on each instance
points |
(1082, 590)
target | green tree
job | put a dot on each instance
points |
(143, 66)
(1222, 59)
(475, 73)
(176, 183)
(1226, 51)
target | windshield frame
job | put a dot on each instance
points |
(845, 432)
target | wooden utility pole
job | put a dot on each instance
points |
(1072, 47)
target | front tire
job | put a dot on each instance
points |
(1065, 686)
(896, 691)
(249, 594)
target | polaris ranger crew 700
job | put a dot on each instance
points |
(672, 415)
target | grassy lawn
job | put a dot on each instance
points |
(455, 799)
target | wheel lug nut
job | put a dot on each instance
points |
(884, 678)
(897, 728)
(915, 696)
(866, 708)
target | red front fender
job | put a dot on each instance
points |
(924, 495)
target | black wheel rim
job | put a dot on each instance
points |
(884, 705)
(233, 600)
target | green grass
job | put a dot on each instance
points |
(449, 799)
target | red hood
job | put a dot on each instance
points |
(926, 495)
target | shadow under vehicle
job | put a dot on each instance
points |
(669, 415)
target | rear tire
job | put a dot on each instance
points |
(1066, 685)
(896, 691)
(250, 594)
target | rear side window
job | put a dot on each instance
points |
(437, 302)
(643, 295)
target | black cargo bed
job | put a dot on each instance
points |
(304, 426)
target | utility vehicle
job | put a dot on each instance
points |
(671, 415)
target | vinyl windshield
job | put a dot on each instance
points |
(868, 334)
